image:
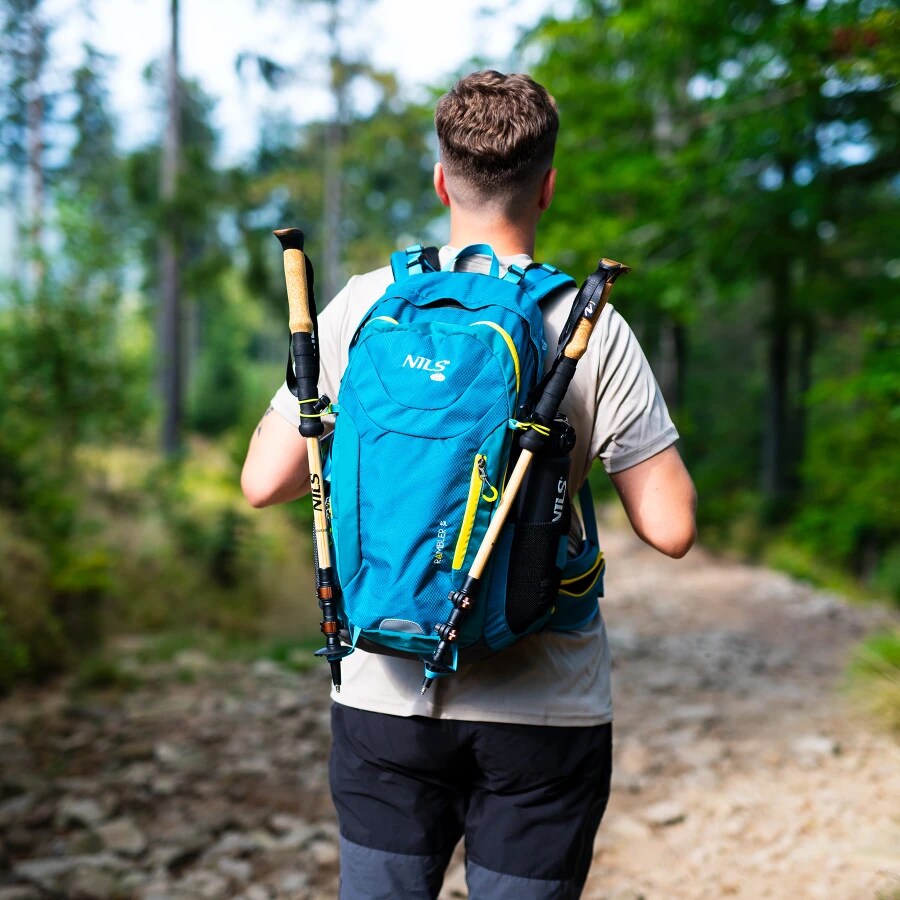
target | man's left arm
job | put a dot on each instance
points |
(276, 469)
(635, 438)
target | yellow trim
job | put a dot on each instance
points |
(594, 565)
(509, 344)
(468, 522)
(383, 319)
(599, 564)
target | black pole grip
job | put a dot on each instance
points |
(548, 404)
(306, 371)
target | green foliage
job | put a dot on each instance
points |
(850, 470)
(386, 163)
(744, 161)
(32, 640)
(220, 395)
(294, 652)
(874, 676)
(14, 657)
(102, 673)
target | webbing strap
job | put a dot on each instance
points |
(515, 274)
(414, 260)
(479, 250)
(541, 280)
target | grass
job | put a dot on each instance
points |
(102, 672)
(294, 653)
(800, 562)
(119, 668)
(874, 677)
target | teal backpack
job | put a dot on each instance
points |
(438, 385)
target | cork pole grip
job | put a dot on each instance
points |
(292, 241)
(297, 291)
(578, 343)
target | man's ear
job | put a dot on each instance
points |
(440, 184)
(548, 187)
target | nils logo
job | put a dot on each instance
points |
(558, 503)
(435, 366)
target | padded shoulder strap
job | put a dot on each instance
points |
(539, 280)
(414, 260)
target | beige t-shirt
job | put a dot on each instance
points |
(620, 417)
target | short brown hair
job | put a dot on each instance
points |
(496, 132)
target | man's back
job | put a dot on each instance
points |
(514, 752)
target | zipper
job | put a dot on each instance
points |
(480, 488)
(510, 344)
(481, 464)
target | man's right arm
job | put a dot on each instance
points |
(276, 468)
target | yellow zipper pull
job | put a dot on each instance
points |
(482, 474)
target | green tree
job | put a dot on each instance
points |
(740, 159)
(26, 110)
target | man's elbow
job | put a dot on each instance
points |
(676, 543)
(257, 490)
(681, 530)
(674, 534)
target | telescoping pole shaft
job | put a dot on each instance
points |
(590, 300)
(298, 274)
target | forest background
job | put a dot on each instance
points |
(741, 156)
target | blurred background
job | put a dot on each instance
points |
(742, 157)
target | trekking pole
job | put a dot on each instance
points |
(303, 380)
(573, 341)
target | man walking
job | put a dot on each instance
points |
(513, 752)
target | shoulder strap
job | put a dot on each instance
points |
(414, 260)
(588, 516)
(539, 280)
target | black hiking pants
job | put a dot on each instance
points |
(527, 798)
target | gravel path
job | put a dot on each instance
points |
(740, 769)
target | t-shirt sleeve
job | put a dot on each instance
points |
(332, 325)
(632, 422)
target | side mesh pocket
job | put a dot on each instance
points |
(543, 516)
(533, 578)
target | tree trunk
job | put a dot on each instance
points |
(333, 210)
(35, 150)
(332, 281)
(775, 426)
(671, 361)
(171, 375)
(806, 351)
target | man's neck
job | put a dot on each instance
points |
(507, 238)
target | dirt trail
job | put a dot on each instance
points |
(739, 769)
